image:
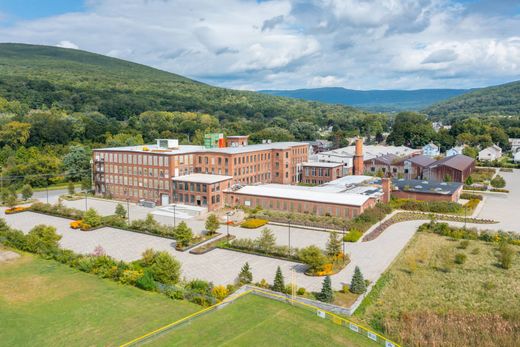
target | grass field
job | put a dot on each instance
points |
(44, 303)
(426, 299)
(257, 321)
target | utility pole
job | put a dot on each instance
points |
(227, 224)
(128, 210)
(289, 225)
(174, 216)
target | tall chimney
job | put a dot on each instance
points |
(386, 184)
(358, 158)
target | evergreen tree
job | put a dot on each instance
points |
(333, 244)
(212, 223)
(245, 276)
(278, 285)
(357, 285)
(326, 294)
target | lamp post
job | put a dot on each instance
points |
(289, 230)
(174, 216)
(343, 242)
(227, 224)
(86, 200)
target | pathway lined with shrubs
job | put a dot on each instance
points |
(219, 266)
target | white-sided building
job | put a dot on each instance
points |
(454, 151)
(431, 150)
(515, 145)
(490, 153)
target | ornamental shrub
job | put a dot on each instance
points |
(146, 281)
(27, 192)
(313, 257)
(333, 244)
(253, 223)
(353, 236)
(120, 211)
(498, 182)
(183, 234)
(505, 255)
(92, 218)
(220, 292)
(43, 240)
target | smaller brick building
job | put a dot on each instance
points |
(201, 190)
(319, 173)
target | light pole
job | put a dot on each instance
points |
(343, 242)
(174, 216)
(289, 230)
(86, 201)
(47, 190)
(227, 224)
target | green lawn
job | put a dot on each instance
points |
(44, 303)
(256, 321)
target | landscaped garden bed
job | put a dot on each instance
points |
(409, 216)
(211, 245)
(253, 223)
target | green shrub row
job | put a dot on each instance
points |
(445, 229)
(426, 206)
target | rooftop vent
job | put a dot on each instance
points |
(168, 143)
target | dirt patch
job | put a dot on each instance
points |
(6, 256)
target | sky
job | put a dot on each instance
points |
(288, 44)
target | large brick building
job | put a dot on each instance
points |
(146, 172)
(319, 173)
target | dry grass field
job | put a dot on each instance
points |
(427, 299)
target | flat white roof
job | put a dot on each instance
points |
(273, 191)
(321, 164)
(202, 178)
(370, 151)
(185, 149)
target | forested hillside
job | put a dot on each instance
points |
(57, 104)
(498, 100)
(79, 81)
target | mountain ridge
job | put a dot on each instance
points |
(376, 100)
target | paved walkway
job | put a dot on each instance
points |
(222, 266)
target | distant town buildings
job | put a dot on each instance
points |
(456, 168)
(515, 145)
(431, 150)
(454, 151)
(490, 153)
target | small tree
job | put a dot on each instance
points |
(99, 251)
(326, 294)
(92, 218)
(357, 285)
(267, 240)
(245, 276)
(4, 195)
(212, 223)
(469, 180)
(183, 234)
(120, 211)
(86, 185)
(278, 284)
(333, 244)
(312, 256)
(10, 201)
(71, 188)
(27, 192)
(43, 239)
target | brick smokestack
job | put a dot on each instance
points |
(358, 158)
(386, 184)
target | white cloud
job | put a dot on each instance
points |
(360, 44)
(67, 44)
